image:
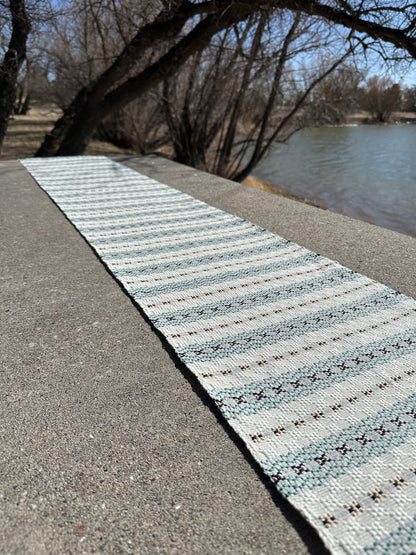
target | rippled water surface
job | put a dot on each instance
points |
(366, 172)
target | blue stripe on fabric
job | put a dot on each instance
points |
(71, 185)
(401, 541)
(104, 193)
(73, 176)
(96, 203)
(316, 475)
(204, 212)
(154, 234)
(90, 190)
(330, 278)
(134, 207)
(67, 167)
(207, 280)
(102, 179)
(153, 268)
(272, 392)
(217, 241)
(242, 342)
(93, 185)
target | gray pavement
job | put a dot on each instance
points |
(108, 443)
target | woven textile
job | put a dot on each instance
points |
(311, 363)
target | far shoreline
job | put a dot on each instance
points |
(364, 118)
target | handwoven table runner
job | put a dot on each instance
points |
(312, 364)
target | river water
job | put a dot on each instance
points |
(366, 172)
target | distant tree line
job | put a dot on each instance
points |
(217, 80)
(346, 91)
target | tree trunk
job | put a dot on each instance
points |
(82, 128)
(84, 108)
(26, 105)
(13, 59)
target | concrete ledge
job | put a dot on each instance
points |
(108, 443)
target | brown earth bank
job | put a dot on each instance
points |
(364, 118)
(25, 134)
(256, 183)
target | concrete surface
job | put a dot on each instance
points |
(108, 443)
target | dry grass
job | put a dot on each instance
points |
(252, 181)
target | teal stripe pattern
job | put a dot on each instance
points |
(399, 541)
(377, 434)
(272, 392)
(312, 364)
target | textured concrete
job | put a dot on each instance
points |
(108, 443)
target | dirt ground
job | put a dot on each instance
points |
(25, 134)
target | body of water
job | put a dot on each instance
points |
(366, 172)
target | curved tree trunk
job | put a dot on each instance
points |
(73, 131)
(70, 134)
(13, 59)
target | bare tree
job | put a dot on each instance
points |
(381, 97)
(140, 126)
(209, 91)
(409, 99)
(231, 102)
(14, 57)
(121, 83)
(335, 97)
(96, 101)
(86, 37)
(85, 40)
